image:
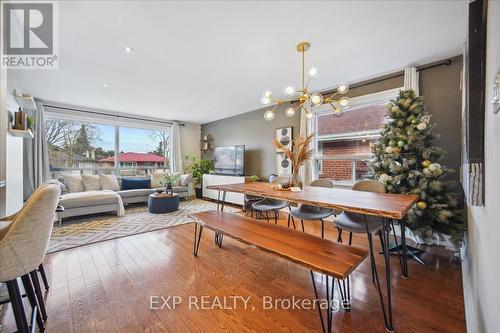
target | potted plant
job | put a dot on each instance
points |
(168, 180)
(198, 168)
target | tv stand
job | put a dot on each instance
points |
(235, 198)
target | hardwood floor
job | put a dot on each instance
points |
(106, 287)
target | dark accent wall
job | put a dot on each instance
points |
(440, 86)
(257, 134)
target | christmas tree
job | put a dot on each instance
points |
(406, 161)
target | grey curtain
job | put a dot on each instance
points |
(177, 149)
(36, 155)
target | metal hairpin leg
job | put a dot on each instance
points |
(197, 238)
(385, 238)
(220, 207)
(345, 287)
(329, 293)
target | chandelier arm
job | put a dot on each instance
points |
(328, 99)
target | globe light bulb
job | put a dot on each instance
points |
(309, 115)
(343, 88)
(269, 115)
(316, 99)
(267, 93)
(289, 91)
(344, 102)
(313, 71)
(290, 112)
(265, 100)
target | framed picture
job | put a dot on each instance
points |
(285, 136)
(283, 165)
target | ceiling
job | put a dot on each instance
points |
(202, 61)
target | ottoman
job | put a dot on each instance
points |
(160, 203)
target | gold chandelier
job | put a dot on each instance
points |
(306, 99)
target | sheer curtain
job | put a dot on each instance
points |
(36, 155)
(306, 171)
(176, 149)
(411, 80)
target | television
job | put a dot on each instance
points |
(229, 160)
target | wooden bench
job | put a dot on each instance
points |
(333, 259)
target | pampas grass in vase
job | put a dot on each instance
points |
(300, 153)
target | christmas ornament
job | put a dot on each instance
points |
(426, 163)
(421, 205)
(401, 143)
(389, 150)
(421, 126)
(384, 178)
(434, 167)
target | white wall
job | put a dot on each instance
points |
(13, 165)
(190, 140)
(481, 269)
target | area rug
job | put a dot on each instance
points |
(97, 228)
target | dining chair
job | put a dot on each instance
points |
(359, 223)
(313, 213)
(267, 205)
(23, 244)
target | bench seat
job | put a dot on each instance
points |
(317, 254)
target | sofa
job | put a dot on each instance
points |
(91, 194)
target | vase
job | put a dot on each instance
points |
(296, 180)
(169, 189)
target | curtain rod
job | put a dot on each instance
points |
(446, 62)
(110, 114)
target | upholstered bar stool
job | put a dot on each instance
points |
(271, 205)
(23, 245)
(313, 213)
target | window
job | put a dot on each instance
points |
(88, 147)
(77, 147)
(143, 150)
(342, 144)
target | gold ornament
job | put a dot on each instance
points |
(426, 163)
(421, 205)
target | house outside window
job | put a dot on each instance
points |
(342, 144)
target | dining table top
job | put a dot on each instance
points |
(388, 205)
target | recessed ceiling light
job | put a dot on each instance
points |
(94, 103)
(105, 85)
(129, 50)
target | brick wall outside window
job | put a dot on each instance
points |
(341, 170)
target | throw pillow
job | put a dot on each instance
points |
(91, 183)
(109, 182)
(135, 184)
(184, 180)
(73, 183)
(61, 185)
(155, 179)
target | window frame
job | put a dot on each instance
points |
(116, 168)
(355, 103)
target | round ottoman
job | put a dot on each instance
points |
(159, 203)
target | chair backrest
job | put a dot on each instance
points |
(272, 177)
(23, 246)
(280, 180)
(369, 186)
(322, 183)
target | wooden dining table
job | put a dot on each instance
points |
(387, 206)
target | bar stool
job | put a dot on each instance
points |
(23, 245)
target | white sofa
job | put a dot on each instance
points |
(78, 203)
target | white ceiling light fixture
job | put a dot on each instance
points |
(106, 85)
(307, 100)
(129, 50)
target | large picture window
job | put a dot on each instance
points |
(342, 144)
(89, 148)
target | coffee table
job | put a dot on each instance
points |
(160, 203)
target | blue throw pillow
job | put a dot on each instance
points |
(135, 184)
